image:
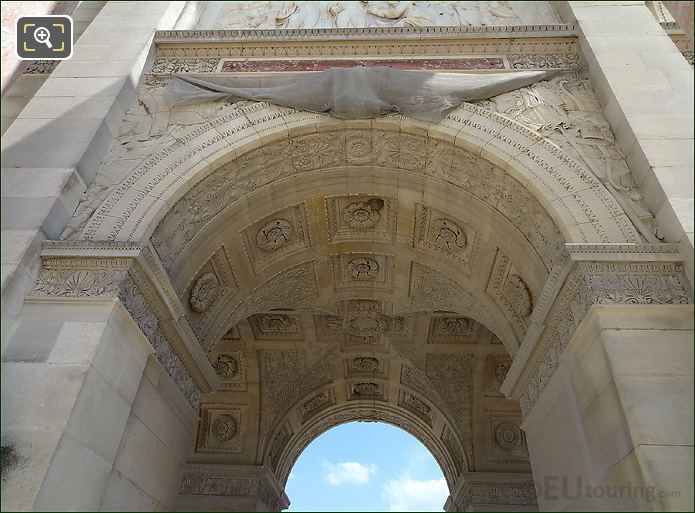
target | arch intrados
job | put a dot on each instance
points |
(387, 414)
(576, 201)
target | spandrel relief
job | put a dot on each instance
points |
(354, 14)
(566, 111)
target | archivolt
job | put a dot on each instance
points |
(578, 203)
(443, 452)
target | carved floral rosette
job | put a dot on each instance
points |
(133, 275)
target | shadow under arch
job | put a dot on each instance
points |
(387, 414)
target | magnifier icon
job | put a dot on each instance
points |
(42, 35)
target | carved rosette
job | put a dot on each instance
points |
(363, 215)
(204, 292)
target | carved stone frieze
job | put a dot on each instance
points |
(416, 405)
(80, 270)
(496, 369)
(511, 292)
(488, 489)
(366, 391)
(204, 292)
(235, 481)
(230, 366)
(317, 403)
(275, 325)
(452, 329)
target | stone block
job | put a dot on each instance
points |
(145, 461)
(153, 411)
(15, 243)
(99, 416)
(122, 495)
(32, 341)
(33, 452)
(48, 394)
(34, 182)
(76, 343)
(76, 479)
(658, 409)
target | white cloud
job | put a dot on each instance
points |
(348, 472)
(406, 494)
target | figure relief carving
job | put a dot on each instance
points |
(566, 110)
(226, 367)
(448, 235)
(363, 215)
(363, 268)
(365, 364)
(204, 292)
(354, 14)
(274, 234)
(224, 427)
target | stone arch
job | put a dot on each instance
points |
(409, 423)
(576, 200)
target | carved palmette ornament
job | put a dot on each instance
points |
(274, 234)
(361, 215)
(519, 295)
(224, 428)
(204, 292)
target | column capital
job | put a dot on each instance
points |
(131, 272)
(594, 274)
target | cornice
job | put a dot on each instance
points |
(80, 271)
(369, 33)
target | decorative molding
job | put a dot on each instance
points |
(492, 490)
(222, 428)
(387, 33)
(129, 272)
(235, 481)
(600, 274)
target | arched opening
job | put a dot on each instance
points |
(360, 466)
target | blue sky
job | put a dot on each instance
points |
(366, 467)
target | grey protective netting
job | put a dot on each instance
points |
(357, 93)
